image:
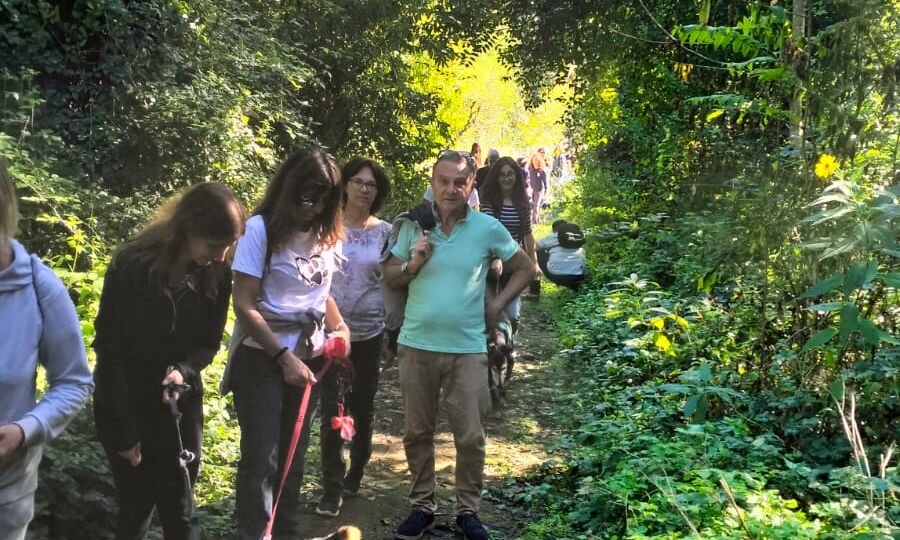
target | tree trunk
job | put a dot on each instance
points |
(799, 26)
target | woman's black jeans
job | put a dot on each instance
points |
(267, 411)
(360, 404)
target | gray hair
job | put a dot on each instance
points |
(458, 156)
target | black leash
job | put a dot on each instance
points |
(184, 456)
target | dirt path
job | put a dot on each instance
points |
(516, 442)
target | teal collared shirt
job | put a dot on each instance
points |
(445, 308)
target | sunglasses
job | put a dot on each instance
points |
(457, 156)
(312, 195)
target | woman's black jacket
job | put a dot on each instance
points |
(141, 329)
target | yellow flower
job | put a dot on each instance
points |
(826, 165)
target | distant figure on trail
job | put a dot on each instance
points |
(561, 255)
(476, 153)
(522, 161)
(162, 313)
(558, 162)
(39, 327)
(537, 176)
(504, 200)
(482, 172)
(357, 292)
(442, 342)
(283, 268)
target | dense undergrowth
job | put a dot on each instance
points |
(679, 431)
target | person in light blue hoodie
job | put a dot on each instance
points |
(38, 325)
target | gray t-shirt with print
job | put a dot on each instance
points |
(357, 288)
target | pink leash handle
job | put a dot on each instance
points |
(334, 347)
(295, 437)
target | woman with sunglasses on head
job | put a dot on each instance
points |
(357, 291)
(505, 200)
(283, 269)
(162, 313)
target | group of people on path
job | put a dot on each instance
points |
(307, 265)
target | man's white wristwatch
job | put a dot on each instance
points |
(405, 269)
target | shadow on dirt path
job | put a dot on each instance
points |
(517, 439)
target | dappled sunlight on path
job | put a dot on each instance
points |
(518, 436)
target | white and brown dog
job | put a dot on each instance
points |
(343, 533)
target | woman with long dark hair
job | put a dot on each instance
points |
(357, 291)
(504, 198)
(162, 313)
(283, 268)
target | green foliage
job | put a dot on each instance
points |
(670, 446)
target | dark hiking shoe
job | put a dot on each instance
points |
(351, 482)
(415, 526)
(330, 505)
(470, 527)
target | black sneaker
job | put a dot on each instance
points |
(330, 505)
(415, 526)
(351, 482)
(470, 527)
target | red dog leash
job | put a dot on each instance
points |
(334, 348)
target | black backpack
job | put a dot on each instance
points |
(570, 236)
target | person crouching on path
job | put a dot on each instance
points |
(357, 291)
(162, 313)
(39, 327)
(442, 340)
(283, 267)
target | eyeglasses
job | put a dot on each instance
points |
(362, 184)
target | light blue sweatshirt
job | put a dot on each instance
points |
(33, 332)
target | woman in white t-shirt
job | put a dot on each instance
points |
(357, 291)
(283, 267)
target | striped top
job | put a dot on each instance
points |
(518, 228)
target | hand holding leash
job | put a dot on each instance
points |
(421, 252)
(295, 371)
(173, 385)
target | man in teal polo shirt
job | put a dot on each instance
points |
(443, 341)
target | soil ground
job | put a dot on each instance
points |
(518, 435)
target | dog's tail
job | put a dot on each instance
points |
(344, 533)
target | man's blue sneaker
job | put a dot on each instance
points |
(415, 526)
(470, 527)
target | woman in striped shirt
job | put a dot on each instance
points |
(503, 197)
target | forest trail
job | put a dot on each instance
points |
(517, 439)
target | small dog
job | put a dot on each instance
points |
(343, 533)
(500, 359)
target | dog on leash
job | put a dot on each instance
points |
(500, 359)
(343, 533)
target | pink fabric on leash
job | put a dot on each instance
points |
(343, 423)
(335, 347)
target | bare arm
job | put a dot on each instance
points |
(334, 321)
(532, 253)
(522, 269)
(394, 276)
(246, 291)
